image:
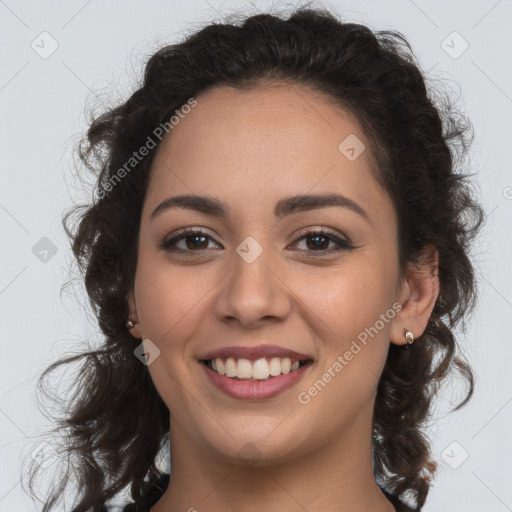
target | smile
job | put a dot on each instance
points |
(260, 369)
(258, 379)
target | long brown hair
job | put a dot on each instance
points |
(114, 421)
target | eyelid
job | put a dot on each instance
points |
(183, 233)
(342, 243)
(324, 231)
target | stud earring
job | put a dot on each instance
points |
(409, 336)
(130, 323)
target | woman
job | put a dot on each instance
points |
(277, 254)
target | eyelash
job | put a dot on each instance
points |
(343, 244)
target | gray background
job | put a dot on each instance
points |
(101, 49)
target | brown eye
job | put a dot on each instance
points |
(196, 241)
(192, 240)
(319, 241)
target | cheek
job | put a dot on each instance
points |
(170, 304)
(170, 300)
(351, 297)
(354, 347)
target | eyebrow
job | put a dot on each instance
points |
(298, 203)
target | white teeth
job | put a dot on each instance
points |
(230, 367)
(260, 369)
(244, 369)
(275, 366)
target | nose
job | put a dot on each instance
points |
(252, 293)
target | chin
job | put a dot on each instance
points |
(253, 446)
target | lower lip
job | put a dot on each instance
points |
(254, 389)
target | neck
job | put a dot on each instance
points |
(336, 476)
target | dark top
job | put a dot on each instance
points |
(153, 490)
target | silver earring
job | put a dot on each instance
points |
(409, 336)
(130, 323)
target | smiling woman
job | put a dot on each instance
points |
(277, 281)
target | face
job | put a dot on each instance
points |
(249, 278)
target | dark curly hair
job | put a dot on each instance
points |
(114, 420)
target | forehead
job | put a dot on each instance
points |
(249, 146)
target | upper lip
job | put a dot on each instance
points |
(258, 352)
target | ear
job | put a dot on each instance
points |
(417, 294)
(135, 331)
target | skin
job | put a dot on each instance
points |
(251, 149)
